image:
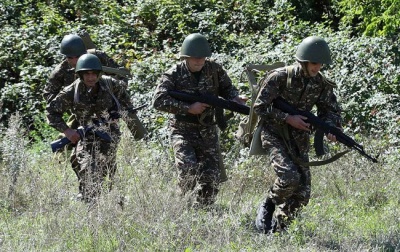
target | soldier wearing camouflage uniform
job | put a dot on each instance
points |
(286, 138)
(91, 99)
(72, 46)
(194, 135)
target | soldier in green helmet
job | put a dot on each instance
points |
(93, 99)
(72, 46)
(194, 135)
(286, 138)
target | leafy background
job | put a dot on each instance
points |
(356, 203)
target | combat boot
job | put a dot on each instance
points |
(264, 217)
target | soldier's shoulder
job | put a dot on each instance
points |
(61, 67)
(66, 92)
(327, 81)
(110, 82)
(277, 73)
(175, 68)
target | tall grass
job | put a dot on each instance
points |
(354, 205)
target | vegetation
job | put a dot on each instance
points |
(354, 204)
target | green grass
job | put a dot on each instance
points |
(354, 206)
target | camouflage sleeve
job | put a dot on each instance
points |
(226, 89)
(56, 108)
(270, 89)
(54, 85)
(164, 102)
(328, 108)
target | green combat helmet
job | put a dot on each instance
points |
(195, 45)
(314, 49)
(88, 62)
(72, 45)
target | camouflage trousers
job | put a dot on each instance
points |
(292, 187)
(94, 163)
(197, 159)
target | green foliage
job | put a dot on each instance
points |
(366, 73)
(357, 202)
(371, 18)
(145, 36)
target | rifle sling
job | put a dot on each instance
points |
(284, 132)
(219, 112)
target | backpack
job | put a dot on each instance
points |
(249, 130)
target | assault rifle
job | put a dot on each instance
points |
(116, 115)
(82, 131)
(211, 100)
(322, 128)
(95, 128)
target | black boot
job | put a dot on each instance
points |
(264, 216)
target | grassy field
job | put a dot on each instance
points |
(354, 207)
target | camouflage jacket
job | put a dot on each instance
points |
(63, 75)
(303, 93)
(85, 105)
(180, 78)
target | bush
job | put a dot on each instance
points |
(145, 37)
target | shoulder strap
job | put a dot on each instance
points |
(76, 92)
(108, 88)
(289, 72)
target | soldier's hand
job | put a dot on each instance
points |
(197, 108)
(72, 135)
(331, 137)
(297, 121)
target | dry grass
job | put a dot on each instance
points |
(354, 206)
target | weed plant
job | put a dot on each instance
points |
(354, 205)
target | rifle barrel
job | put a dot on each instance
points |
(283, 105)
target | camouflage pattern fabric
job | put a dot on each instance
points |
(93, 159)
(292, 187)
(63, 75)
(195, 145)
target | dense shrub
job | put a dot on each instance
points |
(145, 37)
(372, 18)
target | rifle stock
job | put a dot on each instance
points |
(123, 72)
(210, 100)
(283, 105)
(59, 144)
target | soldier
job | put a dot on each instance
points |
(72, 46)
(194, 136)
(286, 138)
(91, 99)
